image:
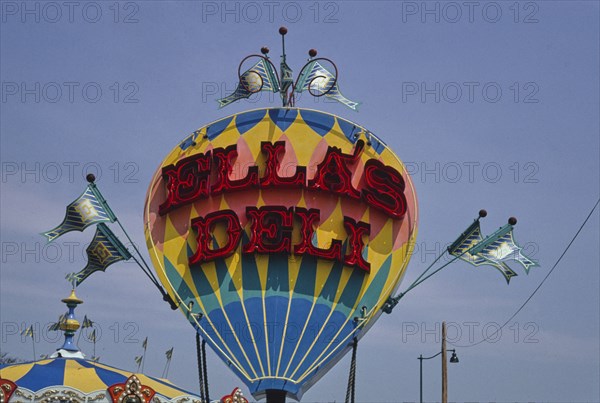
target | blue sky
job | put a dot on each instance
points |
(490, 104)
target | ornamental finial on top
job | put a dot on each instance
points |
(314, 77)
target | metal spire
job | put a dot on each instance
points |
(69, 326)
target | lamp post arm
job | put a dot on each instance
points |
(429, 358)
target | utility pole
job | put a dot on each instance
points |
(444, 366)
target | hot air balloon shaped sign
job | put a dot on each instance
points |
(281, 232)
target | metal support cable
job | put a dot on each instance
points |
(205, 370)
(350, 390)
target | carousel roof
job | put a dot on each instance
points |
(81, 375)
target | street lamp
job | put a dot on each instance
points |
(453, 360)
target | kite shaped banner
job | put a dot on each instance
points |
(273, 232)
(89, 208)
(104, 250)
(494, 250)
(260, 77)
(319, 81)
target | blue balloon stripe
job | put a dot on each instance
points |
(230, 338)
(314, 325)
(247, 120)
(217, 127)
(334, 331)
(245, 334)
(276, 308)
(277, 289)
(349, 129)
(321, 123)
(299, 311)
(254, 307)
(317, 318)
(213, 339)
(283, 118)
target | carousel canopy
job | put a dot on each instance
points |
(82, 377)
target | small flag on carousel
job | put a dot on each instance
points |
(104, 250)
(319, 81)
(145, 343)
(494, 250)
(89, 208)
(28, 332)
(138, 360)
(92, 336)
(87, 323)
(169, 353)
(56, 326)
(260, 77)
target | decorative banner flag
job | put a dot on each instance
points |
(319, 81)
(138, 360)
(493, 251)
(467, 240)
(501, 246)
(89, 208)
(145, 343)
(92, 337)
(169, 353)
(259, 77)
(104, 250)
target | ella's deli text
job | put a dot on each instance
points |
(209, 174)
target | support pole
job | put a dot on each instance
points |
(421, 378)
(444, 366)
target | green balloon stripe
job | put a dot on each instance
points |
(374, 292)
